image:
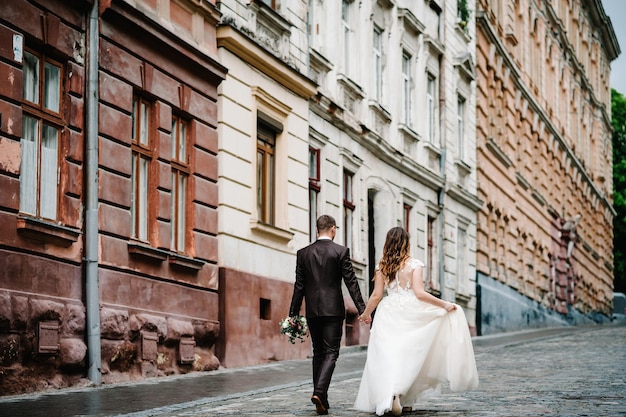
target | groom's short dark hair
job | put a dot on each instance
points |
(325, 222)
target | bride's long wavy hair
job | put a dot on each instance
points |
(395, 252)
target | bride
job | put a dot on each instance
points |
(417, 341)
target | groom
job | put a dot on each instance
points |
(320, 267)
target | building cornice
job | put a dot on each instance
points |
(144, 24)
(235, 41)
(603, 23)
(578, 67)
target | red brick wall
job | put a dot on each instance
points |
(153, 290)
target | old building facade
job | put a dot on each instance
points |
(108, 166)
(309, 126)
(392, 138)
(544, 253)
(161, 162)
(263, 157)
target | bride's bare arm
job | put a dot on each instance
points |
(418, 289)
(375, 297)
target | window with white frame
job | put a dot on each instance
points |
(431, 107)
(378, 64)
(180, 176)
(348, 208)
(314, 189)
(407, 82)
(41, 127)
(140, 174)
(460, 126)
(346, 34)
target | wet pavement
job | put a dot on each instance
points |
(569, 371)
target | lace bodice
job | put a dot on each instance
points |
(403, 282)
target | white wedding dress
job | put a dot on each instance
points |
(413, 348)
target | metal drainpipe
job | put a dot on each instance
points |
(442, 158)
(91, 202)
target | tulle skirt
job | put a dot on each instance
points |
(413, 348)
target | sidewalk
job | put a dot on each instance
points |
(283, 388)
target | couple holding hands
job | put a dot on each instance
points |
(417, 341)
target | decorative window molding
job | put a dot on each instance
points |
(434, 155)
(272, 114)
(464, 64)
(320, 67)
(351, 93)
(434, 45)
(410, 139)
(380, 118)
(270, 29)
(523, 182)
(538, 197)
(411, 23)
(498, 153)
(281, 235)
(463, 171)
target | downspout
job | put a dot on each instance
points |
(442, 159)
(91, 200)
(310, 19)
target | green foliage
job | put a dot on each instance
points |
(463, 13)
(618, 111)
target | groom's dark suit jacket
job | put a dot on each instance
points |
(320, 268)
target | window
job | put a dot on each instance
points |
(431, 103)
(407, 81)
(314, 189)
(266, 183)
(348, 208)
(180, 175)
(141, 159)
(346, 29)
(431, 253)
(270, 3)
(460, 126)
(463, 12)
(41, 127)
(461, 261)
(406, 216)
(378, 64)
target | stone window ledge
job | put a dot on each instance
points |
(47, 232)
(271, 230)
(186, 262)
(147, 252)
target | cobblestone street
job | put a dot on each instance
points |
(578, 371)
(581, 373)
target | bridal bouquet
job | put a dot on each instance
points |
(294, 327)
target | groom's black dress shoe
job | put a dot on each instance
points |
(320, 407)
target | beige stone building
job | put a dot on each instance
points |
(544, 250)
(263, 156)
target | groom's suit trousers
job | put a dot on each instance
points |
(326, 333)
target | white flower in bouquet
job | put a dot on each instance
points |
(294, 327)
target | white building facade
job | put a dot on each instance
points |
(392, 135)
